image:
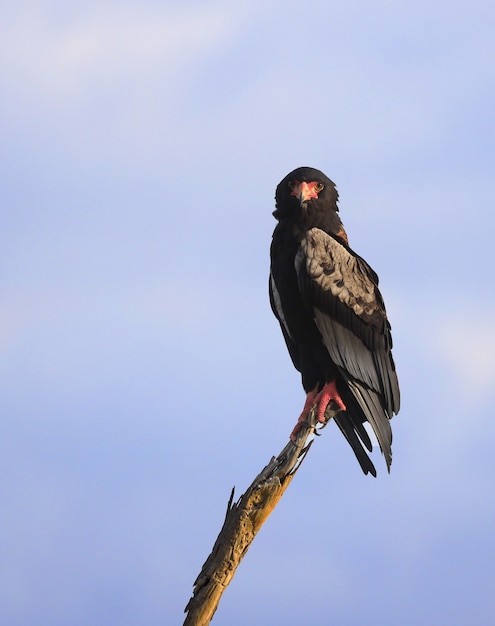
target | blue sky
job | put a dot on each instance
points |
(142, 372)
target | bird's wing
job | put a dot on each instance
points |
(278, 311)
(342, 292)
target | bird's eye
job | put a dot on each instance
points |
(319, 187)
(291, 184)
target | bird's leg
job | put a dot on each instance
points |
(308, 405)
(326, 395)
(322, 399)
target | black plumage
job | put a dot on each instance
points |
(331, 313)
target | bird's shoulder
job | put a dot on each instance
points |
(331, 270)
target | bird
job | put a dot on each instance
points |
(332, 315)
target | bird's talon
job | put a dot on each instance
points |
(297, 428)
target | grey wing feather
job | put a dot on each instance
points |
(346, 350)
(342, 292)
(370, 404)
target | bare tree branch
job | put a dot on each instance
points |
(244, 519)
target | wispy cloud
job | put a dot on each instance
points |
(58, 60)
(117, 73)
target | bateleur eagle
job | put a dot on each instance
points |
(332, 314)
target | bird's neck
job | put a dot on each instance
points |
(328, 221)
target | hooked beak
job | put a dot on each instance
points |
(304, 191)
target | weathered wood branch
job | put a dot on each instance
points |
(244, 519)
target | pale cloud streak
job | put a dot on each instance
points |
(108, 44)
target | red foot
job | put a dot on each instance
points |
(322, 399)
(326, 395)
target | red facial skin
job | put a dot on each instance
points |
(305, 191)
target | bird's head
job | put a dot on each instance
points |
(308, 198)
